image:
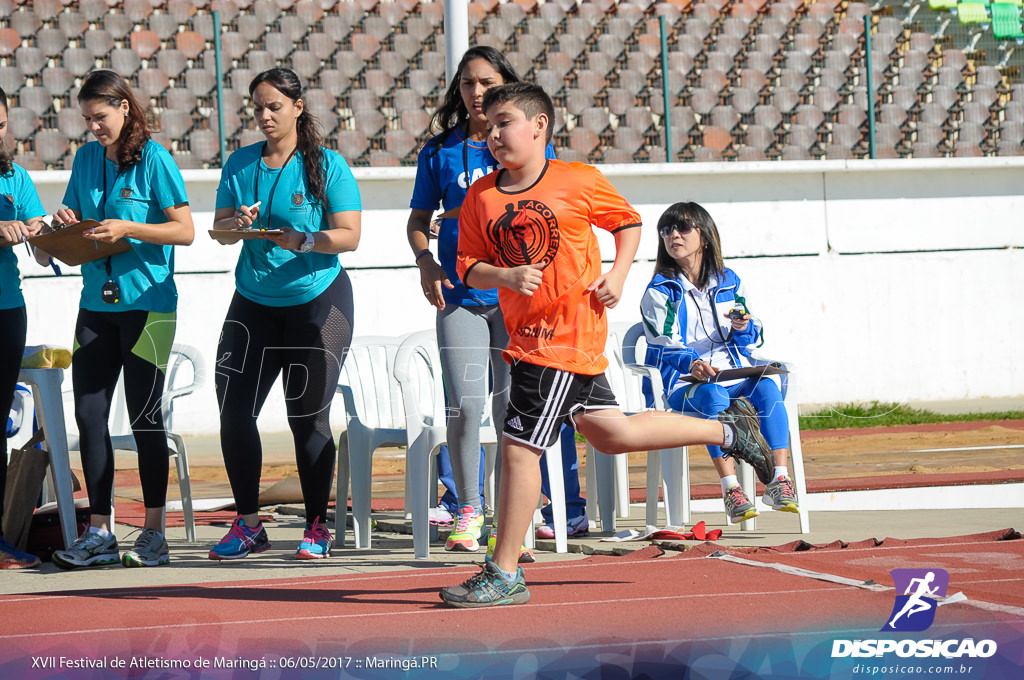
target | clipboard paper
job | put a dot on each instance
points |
(738, 373)
(69, 246)
(232, 235)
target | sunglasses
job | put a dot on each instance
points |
(685, 228)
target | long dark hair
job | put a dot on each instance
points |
(711, 248)
(452, 111)
(109, 87)
(6, 157)
(311, 140)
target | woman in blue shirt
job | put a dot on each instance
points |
(292, 307)
(127, 317)
(470, 327)
(20, 216)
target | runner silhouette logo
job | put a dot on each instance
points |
(917, 592)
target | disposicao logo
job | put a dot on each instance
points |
(914, 610)
(919, 592)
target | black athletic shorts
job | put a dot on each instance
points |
(541, 398)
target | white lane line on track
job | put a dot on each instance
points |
(349, 578)
(446, 610)
(832, 578)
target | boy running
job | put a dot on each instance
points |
(526, 230)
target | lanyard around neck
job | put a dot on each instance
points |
(273, 188)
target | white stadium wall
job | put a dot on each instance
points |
(882, 280)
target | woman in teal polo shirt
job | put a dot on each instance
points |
(126, 321)
(20, 216)
(292, 310)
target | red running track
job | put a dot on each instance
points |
(594, 606)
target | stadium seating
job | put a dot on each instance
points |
(732, 66)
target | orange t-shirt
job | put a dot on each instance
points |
(561, 324)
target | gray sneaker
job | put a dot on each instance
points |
(780, 495)
(488, 588)
(748, 443)
(150, 550)
(737, 506)
(88, 550)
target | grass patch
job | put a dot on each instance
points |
(887, 414)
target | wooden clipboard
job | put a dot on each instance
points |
(228, 236)
(69, 246)
(738, 373)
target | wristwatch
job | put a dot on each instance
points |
(307, 245)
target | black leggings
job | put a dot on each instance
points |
(12, 347)
(105, 342)
(308, 342)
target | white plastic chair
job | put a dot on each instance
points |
(376, 418)
(676, 476)
(49, 411)
(417, 370)
(668, 465)
(177, 383)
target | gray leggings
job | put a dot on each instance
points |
(469, 338)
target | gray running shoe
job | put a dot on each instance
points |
(88, 550)
(150, 550)
(779, 494)
(748, 444)
(488, 588)
(737, 506)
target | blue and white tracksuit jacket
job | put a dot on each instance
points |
(683, 324)
(677, 335)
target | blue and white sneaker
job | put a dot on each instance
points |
(316, 542)
(240, 541)
(12, 558)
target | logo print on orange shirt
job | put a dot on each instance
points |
(525, 234)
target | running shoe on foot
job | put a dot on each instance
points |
(780, 495)
(89, 550)
(737, 506)
(316, 542)
(526, 555)
(468, 530)
(150, 550)
(748, 444)
(240, 541)
(440, 517)
(577, 526)
(489, 588)
(12, 558)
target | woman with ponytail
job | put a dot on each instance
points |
(127, 317)
(20, 216)
(292, 307)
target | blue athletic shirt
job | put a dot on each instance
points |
(18, 201)
(441, 180)
(145, 274)
(273, 276)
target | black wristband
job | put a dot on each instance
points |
(425, 251)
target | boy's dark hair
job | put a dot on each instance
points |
(531, 99)
(108, 86)
(452, 111)
(310, 139)
(711, 249)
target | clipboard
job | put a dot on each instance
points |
(234, 235)
(738, 373)
(69, 246)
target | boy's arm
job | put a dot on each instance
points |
(523, 279)
(608, 287)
